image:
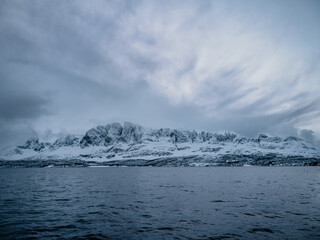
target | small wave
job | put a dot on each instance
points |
(254, 230)
(165, 229)
(296, 213)
(249, 214)
(97, 236)
(62, 200)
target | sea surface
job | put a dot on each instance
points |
(160, 203)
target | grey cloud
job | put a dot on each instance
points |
(15, 133)
(70, 65)
(307, 135)
(20, 99)
(21, 105)
(19, 108)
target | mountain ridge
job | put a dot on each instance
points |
(131, 144)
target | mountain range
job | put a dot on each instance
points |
(133, 145)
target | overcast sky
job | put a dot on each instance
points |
(242, 66)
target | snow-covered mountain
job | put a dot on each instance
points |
(131, 144)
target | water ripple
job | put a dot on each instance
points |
(160, 203)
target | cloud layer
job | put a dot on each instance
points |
(246, 66)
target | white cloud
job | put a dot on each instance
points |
(204, 58)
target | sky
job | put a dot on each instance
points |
(244, 66)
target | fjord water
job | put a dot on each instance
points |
(160, 203)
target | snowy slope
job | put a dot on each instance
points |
(117, 144)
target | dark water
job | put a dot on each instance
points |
(160, 203)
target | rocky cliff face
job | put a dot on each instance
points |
(133, 133)
(129, 143)
(111, 134)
